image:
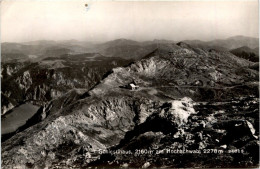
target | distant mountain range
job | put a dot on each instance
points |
(229, 43)
(128, 49)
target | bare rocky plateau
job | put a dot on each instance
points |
(188, 98)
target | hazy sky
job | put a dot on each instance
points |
(27, 20)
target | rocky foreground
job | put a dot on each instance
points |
(193, 108)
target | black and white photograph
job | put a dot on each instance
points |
(129, 84)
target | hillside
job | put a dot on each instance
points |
(127, 49)
(247, 53)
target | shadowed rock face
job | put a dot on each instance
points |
(188, 98)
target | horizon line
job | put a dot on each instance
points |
(100, 41)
